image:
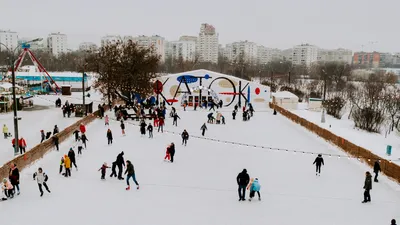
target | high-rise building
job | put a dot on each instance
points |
(369, 59)
(110, 39)
(57, 43)
(37, 45)
(87, 46)
(155, 41)
(338, 55)
(242, 50)
(287, 54)
(207, 44)
(266, 55)
(305, 54)
(9, 39)
(182, 49)
(188, 38)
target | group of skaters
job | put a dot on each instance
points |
(319, 161)
(219, 119)
(244, 182)
(67, 108)
(247, 112)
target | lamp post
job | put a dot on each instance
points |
(15, 107)
(323, 100)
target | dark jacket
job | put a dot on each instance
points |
(120, 159)
(172, 149)
(71, 155)
(55, 131)
(377, 167)
(76, 133)
(122, 126)
(150, 128)
(109, 135)
(368, 182)
(319, 160)
(84, 138)
(129, 169)
(204, 127)
(14, 176)
(176, 116)
(185, 135)
(55, 139)
(243, 178)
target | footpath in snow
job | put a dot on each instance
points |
(200, 186)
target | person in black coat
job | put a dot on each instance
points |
(367, 187)
(393, 222)
(234, 114)
(120, 162)
(14, 177)
(143, 127)
(76, 133)
(172, 151)
(203, 129)
(185, 137)
(377, 169)
(109, 137)
(175, 121)
(84, 139)
(318, 162)
(71, 155)
(150, 129)
(113, 172)
(243, 180)
(55, 142)
(55, 130)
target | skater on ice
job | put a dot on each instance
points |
(109, 136)
(71, 155)
(106, 121)
(41, 179)
(130, 171)
(150, 130)
(14, 177)
(167, 154)
(175, 121)
(161, 124)
(80, 146)
(120, 162)
(76, 133)
(7, 188)
(172, 152)
(103, 169)
(82, 128)
(84, 139)
(203, 129)
(367, 187)
(5, 131)
(377, 169)
(185, 137)
(22, 145)
(67, 166)
(254, 187)
(55, 142)
(61, 165)
(234, 114)
(55, 130)
(113, 171)
(143, 128)
(318, 162)
(42, 135)
(122, 127)
(242, 180)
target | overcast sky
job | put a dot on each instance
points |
(272, 23)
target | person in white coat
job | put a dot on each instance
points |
(41, 179)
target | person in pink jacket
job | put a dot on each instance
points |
(106, 120)
(7, 188)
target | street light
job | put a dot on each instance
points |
(15, 108)
(323, 100)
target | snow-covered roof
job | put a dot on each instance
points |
(284, 94)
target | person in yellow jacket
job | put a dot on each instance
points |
(5, 131)
(67, 165)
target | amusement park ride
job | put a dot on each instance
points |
(48, 79)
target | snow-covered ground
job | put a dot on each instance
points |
(34, 121)
(200, 186)
(345, 128)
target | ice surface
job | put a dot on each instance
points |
(200, 186)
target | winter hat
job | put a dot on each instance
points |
(4, 180)
(70, 149)
(105, 164)
(256, 179)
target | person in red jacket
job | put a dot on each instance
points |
(82, 128)
(22, 145)
(167, 154)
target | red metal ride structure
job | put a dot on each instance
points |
(38, 65)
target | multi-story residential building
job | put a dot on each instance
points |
(396, 59)
(207, 44)
(185, 50)
(9, 39)
(338, 55)
(87, 46)
(305, 54)
(287, 54)
(35, 46)
(57, 43)
(155, 41)
(245, 49)
(110, 39)
(266, 55)
(188, 38)
(369, 59)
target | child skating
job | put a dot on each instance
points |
(103, 169)
(122, 127)
(255, 187)
(130, 171)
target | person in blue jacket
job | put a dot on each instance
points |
(255, 187)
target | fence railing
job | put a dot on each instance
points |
(390, 169)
